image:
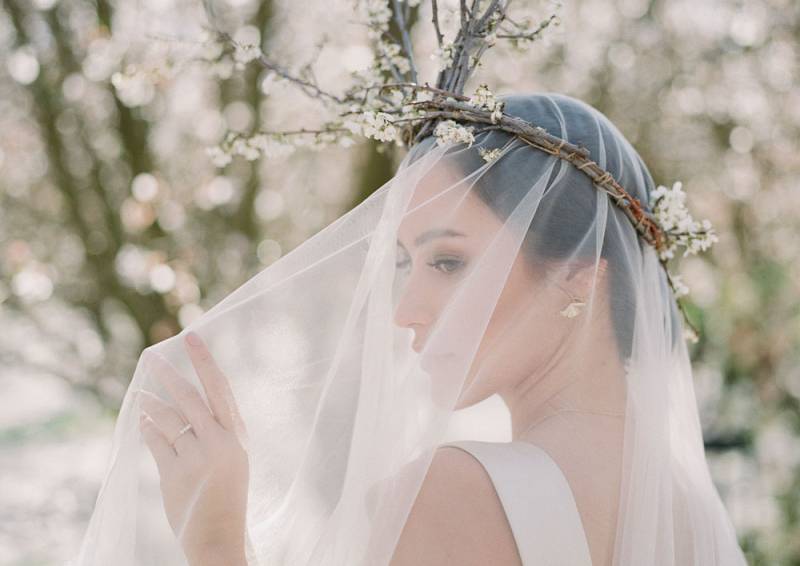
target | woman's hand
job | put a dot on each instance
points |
(204, 471)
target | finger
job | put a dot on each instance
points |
(185, 395)
(162, 452)
(168, 421)
(216, 385)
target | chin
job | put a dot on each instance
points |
(441, 370)
(470, 396)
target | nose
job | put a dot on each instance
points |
(412, 313)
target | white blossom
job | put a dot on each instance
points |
(475, 62)
(490, 155)
(443, 55)
(378, 125)
(449, 131)
(223, 68)
(367, 77)
(494, 21)
(219, 157)
(680, 287)
(670, 212)
(210, 46)
(241, 147)
(390, 55)
(377, 13)
(484, 98)
(251, 148)
(244, 53)
(354, 126)
(668, 252)
(268, 146)
(497, 113)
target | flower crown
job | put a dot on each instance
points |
(387, 103)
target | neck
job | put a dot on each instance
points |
(591, 383)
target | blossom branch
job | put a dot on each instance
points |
(404, 111)
(425, 87)
(308, 87)
(532, 35)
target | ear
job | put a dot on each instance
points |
(583, 275)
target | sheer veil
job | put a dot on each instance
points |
(479, 272)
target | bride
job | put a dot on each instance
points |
(307, 418)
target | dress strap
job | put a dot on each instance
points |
(537, 500)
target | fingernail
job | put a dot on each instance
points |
(193, 339)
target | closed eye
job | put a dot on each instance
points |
(447, 265)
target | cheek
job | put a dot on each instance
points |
(513, 320)
(522, 333)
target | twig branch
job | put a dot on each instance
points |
(493, 7)
(435, 11)
(578, 156)
(302, 131)
(310, 88)
(425, 87)
(400, 18)
(530, 35)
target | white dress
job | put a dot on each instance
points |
(537, 500)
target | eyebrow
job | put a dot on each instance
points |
(436, 233)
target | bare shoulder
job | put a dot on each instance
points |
(457, 517)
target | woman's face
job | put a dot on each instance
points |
(440, 243)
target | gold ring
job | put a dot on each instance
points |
(182, 431)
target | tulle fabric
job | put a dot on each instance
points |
(351, 358)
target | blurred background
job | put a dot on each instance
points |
(117, 230)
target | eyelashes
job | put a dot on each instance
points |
(444, 264)
(447, 265)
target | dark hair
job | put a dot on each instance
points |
(562, 225)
